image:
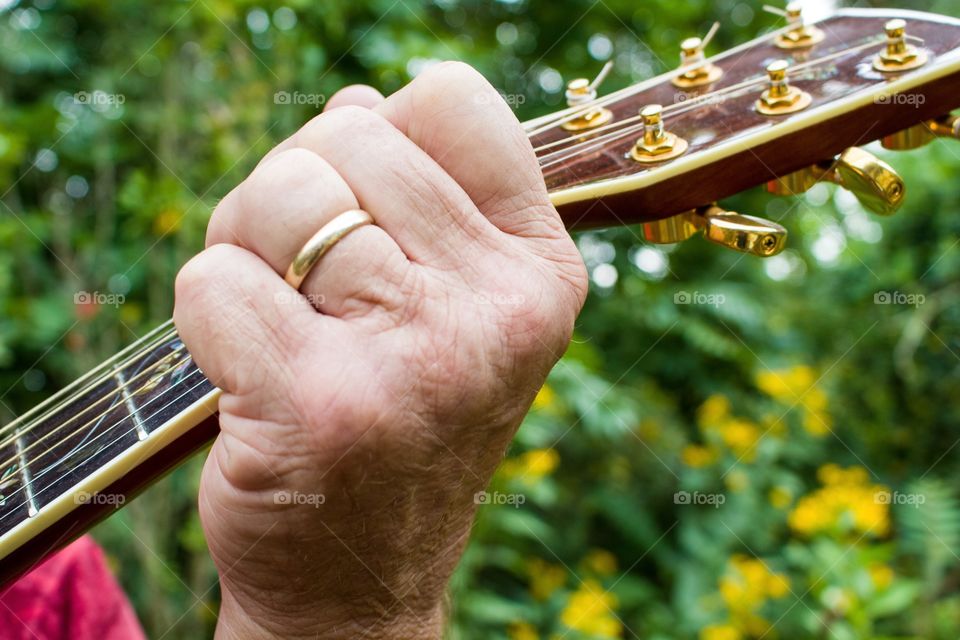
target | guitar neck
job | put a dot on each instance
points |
(84, 453)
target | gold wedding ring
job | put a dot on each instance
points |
(322, 241)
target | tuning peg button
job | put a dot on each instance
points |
(875, 183)
(923, 134)
(729, 229)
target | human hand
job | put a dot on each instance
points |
(356, 430)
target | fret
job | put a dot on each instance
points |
(26, 478)
(131, 406)
(77, 440)
(167, 382)
(87, 431)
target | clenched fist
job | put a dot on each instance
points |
(360, 416)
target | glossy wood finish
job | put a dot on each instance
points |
(733, 119)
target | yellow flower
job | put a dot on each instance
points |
(846, 501)
(796, 385)
(697, 456)
(522, 631)
(715, 409)
(749, 583)
(590, 611)
(540, 462)
(545, 578)
(531, 466)
(778, 585)
(780, 497)
(817, 424)
(545, 398)
(775, 384)
(720, 632)
(881, 575)
(815, 400)
(741, 436)
(832, 474)
(600, 562)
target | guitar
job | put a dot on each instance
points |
(786, 110)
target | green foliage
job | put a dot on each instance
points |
(690, 470)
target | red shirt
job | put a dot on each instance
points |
(70, 596)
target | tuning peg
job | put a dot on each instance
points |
(923, 134)
(657, 144)
(746, 234)
(874, 182)
(899, 55)
(799, 35)
(695, 71)
(580, 93)
(780, 98)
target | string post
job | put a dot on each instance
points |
(899, 54)
(695, 70)
(780, 98)
(581, 93)
(799, 34)
(657, 144)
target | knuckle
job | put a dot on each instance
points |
(201, 275)
(321, 129)
(454, 73)
(288, 171)
(191, 279)
(450, 81)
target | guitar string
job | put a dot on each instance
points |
(106, 431)
(571, 113)
(686, 106)
(598, 143)
(53, 484)
(69, 388)
(623, 127)
(115, 398)
(11, 432)
(562, 155)
(111, 399)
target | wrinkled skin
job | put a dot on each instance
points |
(360, 418)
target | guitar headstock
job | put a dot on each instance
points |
(788, 109)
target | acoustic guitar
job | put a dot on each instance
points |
(786, 111)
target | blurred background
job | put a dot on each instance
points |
(775, 459)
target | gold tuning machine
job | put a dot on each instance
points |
(874, 182)
(780, 98)
(899, 55)
(695, 71)
(798, 35)
(923, 134)
(580, 93)
(657, 144)
(746, 234)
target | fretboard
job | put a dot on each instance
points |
(70, 460)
